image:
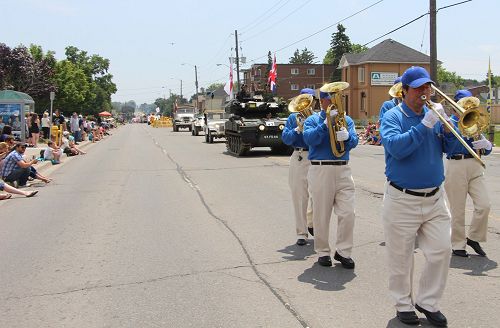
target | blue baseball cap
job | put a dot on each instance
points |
(415, 77)
(461, 94)
(324, 95)
(397, 80)
(308, 91)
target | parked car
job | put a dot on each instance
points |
(214, 126)
(197, 125)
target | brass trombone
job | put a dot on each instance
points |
(470, 120)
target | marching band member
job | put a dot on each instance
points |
(331, 185)
(297, 178)
(388, 104)
(464, 175)
(414, 205)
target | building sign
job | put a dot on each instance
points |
(9, 115)
(383, 78)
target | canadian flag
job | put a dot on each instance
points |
(229, 85)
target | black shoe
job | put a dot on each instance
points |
(436, 318)
(408, 317)
(460, 252)
(325, 261)
(301, 242)
(347, 262)
(476, 247)
(311, 231)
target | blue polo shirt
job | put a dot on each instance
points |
(290, 136)
(317, 138)
(413, 152)
(386, 106)
(456, 148)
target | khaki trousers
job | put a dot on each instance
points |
(426, 219)
(297, 179)
(464, 177)
(332, 187)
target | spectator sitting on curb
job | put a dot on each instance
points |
(52, 153)
(10, 142)
(35, 175)
(15, 169)
(72, 145)
(11, 190)
(4, 151)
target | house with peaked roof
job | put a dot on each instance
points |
(371, 74)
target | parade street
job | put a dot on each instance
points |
(154, 228)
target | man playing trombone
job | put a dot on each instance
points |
(330, 181)
(465, 175)
(299, 164)
(414, 203)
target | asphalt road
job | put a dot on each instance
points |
(158, 229)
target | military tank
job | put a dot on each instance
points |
(254, 122)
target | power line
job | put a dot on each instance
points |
(263, 17)
(323, 29)
(415, 19)
(274, 24)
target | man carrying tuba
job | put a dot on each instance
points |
(465, 175)
(301, 108)
(330, 181)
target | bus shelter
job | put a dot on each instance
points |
(13, 107)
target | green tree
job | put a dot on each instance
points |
(214, 86)
(302, 57)
(451, 77)
(340, 45)
(72, 85)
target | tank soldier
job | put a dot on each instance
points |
(297, 177)
(465, 175)
(388, 104)
(331, 185)
(414, 205)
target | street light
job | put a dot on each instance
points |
(195, 80)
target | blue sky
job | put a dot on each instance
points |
(137, 36)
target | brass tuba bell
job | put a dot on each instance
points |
(396, 91)
(302, 105)
(335, 90)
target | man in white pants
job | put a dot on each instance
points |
(414, 206)
(331, 185)
(297, 177)
(465, 175)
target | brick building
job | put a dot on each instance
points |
(291, 78)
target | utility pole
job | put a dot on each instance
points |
(433, 41)
(237, 61)
(196, 84)
(181, 91)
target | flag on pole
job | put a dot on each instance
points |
(229, 85)
(175, 106)
(490, 90)
(273, 74)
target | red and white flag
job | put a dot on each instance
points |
(175, 106)
(273, 75)
(229, 85)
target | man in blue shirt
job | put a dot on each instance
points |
(388, 104)
(331, 185)
(15, 169)
(414, 203)
(465, 175)
(297, 177)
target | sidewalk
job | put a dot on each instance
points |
(44, 165)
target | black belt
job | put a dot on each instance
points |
(301, 149)
(329, 162)
(460, 156)
(415, 193)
